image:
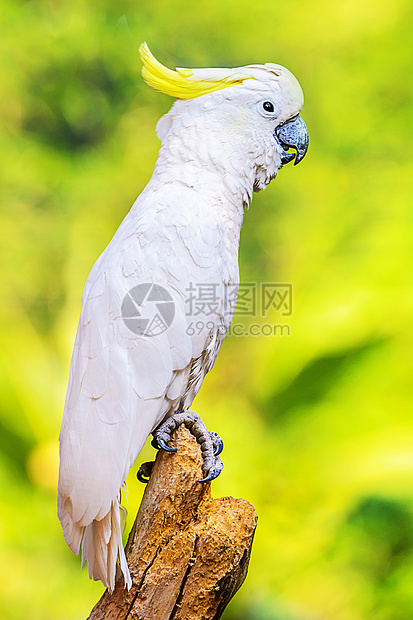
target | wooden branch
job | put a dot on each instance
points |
(187, 553)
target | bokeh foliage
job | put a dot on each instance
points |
(317, 425)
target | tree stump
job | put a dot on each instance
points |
(187, 553)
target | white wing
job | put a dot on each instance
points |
(122, 384)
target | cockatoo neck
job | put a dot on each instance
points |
(211, 145)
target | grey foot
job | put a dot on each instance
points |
(211, 443)
(144, 472)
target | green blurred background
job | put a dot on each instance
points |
(317, 426)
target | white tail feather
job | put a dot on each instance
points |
(101, 544)
(72, 532)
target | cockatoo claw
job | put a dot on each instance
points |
(210, 442)
(215, 471)
(162, 444)
(217, 443)
(144, 472)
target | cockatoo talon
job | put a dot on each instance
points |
(211, 443)
(163, 445)
(144, 472)
(217, 443)
(214, 471)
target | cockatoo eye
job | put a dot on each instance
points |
(268, 109)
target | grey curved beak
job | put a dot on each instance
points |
(292, 134)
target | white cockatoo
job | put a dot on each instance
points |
(139, 357)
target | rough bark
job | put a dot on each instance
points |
(187, 553)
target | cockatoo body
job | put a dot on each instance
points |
(219, 144)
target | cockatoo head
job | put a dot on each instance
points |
(244, 119)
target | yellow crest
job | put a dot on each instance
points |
(187, 83)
